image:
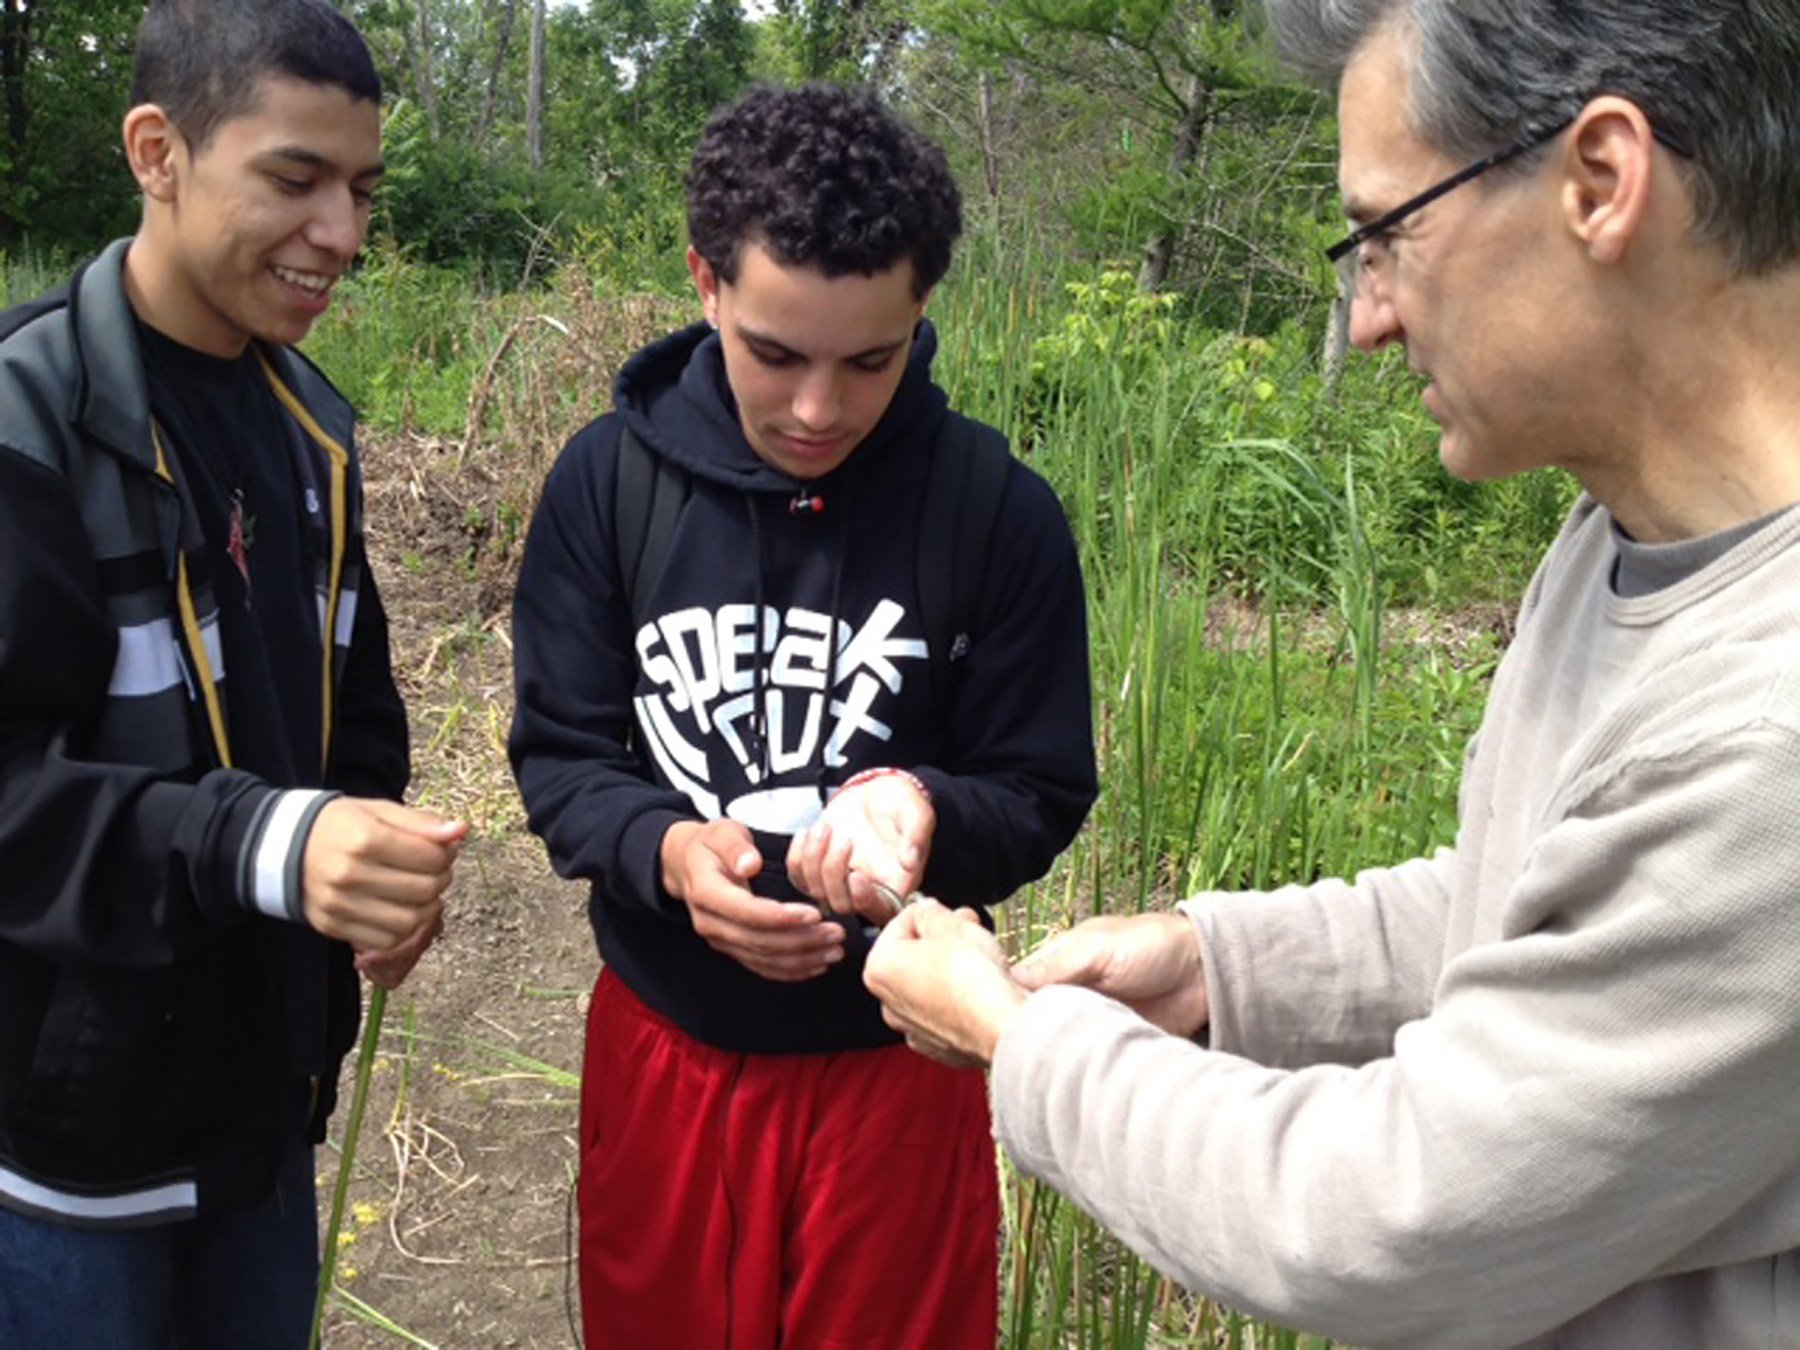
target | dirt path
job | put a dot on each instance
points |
(458, 1219)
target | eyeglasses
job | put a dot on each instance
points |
(1344, 254)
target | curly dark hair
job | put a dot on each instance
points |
(822, 176)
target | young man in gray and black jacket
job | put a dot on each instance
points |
(202, 749)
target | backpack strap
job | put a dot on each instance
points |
(965, 480)
(648, 494)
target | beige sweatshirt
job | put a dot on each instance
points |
(1540, 1088)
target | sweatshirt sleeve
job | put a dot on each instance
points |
(586, 793)
(1327, 972)
(106, 862)
(1019, 777)
(1603, 1088)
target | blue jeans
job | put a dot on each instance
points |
(234, 1280)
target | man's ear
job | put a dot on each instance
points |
(706, 282)
(1610, 165)
(152, 145)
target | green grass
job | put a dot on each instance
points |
(25, 276)
(406, 343)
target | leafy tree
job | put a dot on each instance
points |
(65, 74)
(460, 62)
(1187, 118)
(702, 60)
(626, 85)
(844, 40)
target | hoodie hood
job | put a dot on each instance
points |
(675, 397)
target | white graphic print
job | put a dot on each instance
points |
(703, 665)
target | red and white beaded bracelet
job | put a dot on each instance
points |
(862, 776)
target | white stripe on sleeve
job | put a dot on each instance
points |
(148, 662)
(269, 876)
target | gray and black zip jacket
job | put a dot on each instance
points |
(168, 1024)
(724, 696)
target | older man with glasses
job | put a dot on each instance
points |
(1539, 1087)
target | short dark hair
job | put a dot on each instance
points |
(822, 176)
(203, 61)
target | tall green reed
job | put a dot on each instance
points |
(27, 274)
(1236, 527)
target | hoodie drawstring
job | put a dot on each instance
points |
(831, 645)
(759, 720)
(759, 711)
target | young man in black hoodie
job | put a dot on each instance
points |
(754, 757)
(201, 747)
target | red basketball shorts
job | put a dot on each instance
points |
(810, 1202)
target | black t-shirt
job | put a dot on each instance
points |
(231, 439)
(234, 447)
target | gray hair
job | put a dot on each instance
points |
(1718, 76)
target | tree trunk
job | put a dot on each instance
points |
(990, 166)
(888, 42)
(490, 105)
(1160, 253)
(1337, 340)
(15, 51)
(418, 51)
(534, 91)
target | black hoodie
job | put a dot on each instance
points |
(625, 726)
